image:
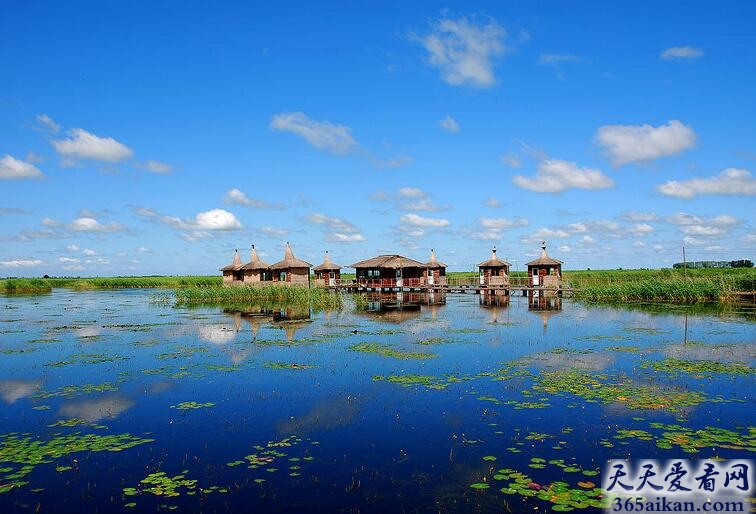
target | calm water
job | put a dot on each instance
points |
(398, 410)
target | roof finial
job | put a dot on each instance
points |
(543, 249)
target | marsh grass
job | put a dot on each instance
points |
(291, 295)
(25, 285)
(46, 285)
(687, 286)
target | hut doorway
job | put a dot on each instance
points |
(331, 278)
(398, 277)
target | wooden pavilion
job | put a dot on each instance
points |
(256, 271)
(435, 272)
(389, 272)
(494, 272)
(290, 270)
(327, 273)
(545, 272)
(233, 272)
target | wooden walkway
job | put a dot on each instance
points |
(458, 286)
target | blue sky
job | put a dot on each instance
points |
(157, 137)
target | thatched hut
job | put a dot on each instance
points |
(435, 271)
(290, 270)
(388, 272)
(544, 271)
(232, 273)
(327, 273)
(494, 272)
(256, 271)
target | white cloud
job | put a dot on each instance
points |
(48, 123)
(214, 219)
(85, 145)
(21, 263)
(555, 175)
(396, 162)
(86, 224)
(238, 197)
(639, 216)
(344, 238)
(641, 229)
(146, 212)
(731, 181)
(464, 51)
(632, 143)
(338, 230)
(692, 225)
(320, 134)
(72, 248)
(492, 202)
(680, 52)
(449, 124)
(419, 221)
(157, 167)
(503, 223)
(424, 204)
(412, 192)
(217, 219)
(88, 252)
(12, 168)
(68, 260)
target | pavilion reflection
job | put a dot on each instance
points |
(545, 306)
(401, 306)
(290, 318)
(495, 304)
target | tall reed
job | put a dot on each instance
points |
(317, 297)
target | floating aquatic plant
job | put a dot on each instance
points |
(385, 350)
(192, 405)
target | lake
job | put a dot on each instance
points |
(119, 401)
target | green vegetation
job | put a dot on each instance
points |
(289, 295)
(678, 285)
(385, 350)
(45, 285)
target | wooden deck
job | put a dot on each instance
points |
(462, 286)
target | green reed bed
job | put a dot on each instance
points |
(24, 285)
(297, 295)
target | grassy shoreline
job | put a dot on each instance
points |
(671, 285)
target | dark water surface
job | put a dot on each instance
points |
(115, 402)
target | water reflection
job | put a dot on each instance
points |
(95, 410)
(13, 390)
(496, 304)
(401, 306)
(545, 306)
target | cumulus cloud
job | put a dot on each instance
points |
(449, 124)
(464, 51)
(412, 192)
(680, 52)
(731, 181)
(12, 168)
(238, 197)
(338, 230)
(693, 225)
(214, 220)
(555, 175)
(21, 263)
(86, 224)
(320, 134)
(639, 216)
(420, 221)
(624, 144)
(81, 144)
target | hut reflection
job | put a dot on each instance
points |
(495, 302)
(545, 306)
(401, 306)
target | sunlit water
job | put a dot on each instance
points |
(303, 416)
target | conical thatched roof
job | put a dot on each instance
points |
(234, 266)
(327, 264)
(544, 259)
(388, 261)
(433, 263)
(254, 261)
(289, 261)
(493, 262)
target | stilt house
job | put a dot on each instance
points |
(233, 272)
(435, 272)
(389, 271)
(256, 271)
(327, 273)
(494, 272)
(544, 271)
(291, 271)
